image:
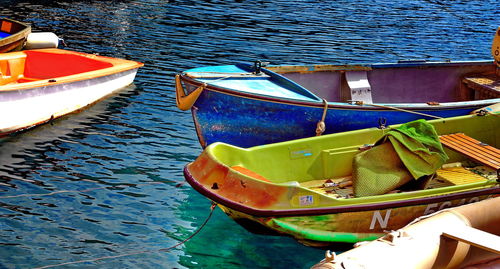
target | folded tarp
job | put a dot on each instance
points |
(410, 152)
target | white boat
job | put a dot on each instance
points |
(37, 86)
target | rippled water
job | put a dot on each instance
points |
(108, 181)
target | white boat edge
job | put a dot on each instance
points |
(24, 109)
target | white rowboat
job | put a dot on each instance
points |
(39, 85)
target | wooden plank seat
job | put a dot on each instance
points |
(475, 237)
(485, 86)
(472, 148)
(11, 68)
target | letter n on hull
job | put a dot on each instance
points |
(377, 217)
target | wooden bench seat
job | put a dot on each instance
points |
(484, 86)
(475, 237)
(11, 68)
(476, 150)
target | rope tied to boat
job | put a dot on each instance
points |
(321, 126)
(212, 208)
(360, 103)
(484, 112)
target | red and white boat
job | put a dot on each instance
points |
(37, 86)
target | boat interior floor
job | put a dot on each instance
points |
(449, 175)
(29, 66)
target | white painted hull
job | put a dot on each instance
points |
(21, 109)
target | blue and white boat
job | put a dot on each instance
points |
(247, 104)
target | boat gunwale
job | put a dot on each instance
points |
(285, 69)
(422, 107)
(435, 198)
(119, 66)
(16, 37)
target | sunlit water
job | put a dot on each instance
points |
(108, 181)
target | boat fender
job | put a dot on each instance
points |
(495, 48)
(41, 40)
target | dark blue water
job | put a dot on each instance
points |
(107, 182)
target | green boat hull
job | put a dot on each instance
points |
(270, 187)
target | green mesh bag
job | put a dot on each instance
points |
(410, 152)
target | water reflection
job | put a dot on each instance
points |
(108, 180)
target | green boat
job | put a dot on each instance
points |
(308, 188)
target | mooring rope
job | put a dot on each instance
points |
(483, 112)
(212, 208)
(321, 126)
(398, 109)
(77, 191)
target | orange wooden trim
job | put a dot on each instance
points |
(478, 142)
(472, 148)
(476, 145)
(483, 160)
(462, 138)
(475, 149)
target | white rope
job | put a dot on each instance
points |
(398, 109)
(321, 126)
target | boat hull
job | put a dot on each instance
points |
(347, 227)
(274, 107)
(285, 188)
(321, 227)
(246, 122)
(17, 34)
(40, 85)
(31, 107)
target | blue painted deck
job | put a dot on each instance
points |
(4, 35)
(270, 84)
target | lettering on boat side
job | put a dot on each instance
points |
(431, 208)
(383, 221)
(300, 153)
(377, 217)
(306, 200)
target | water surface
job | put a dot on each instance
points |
(108, 181)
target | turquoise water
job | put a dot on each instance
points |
(108, 181)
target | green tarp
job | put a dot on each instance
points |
(412, 151)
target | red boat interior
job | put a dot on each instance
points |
(27, 66)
